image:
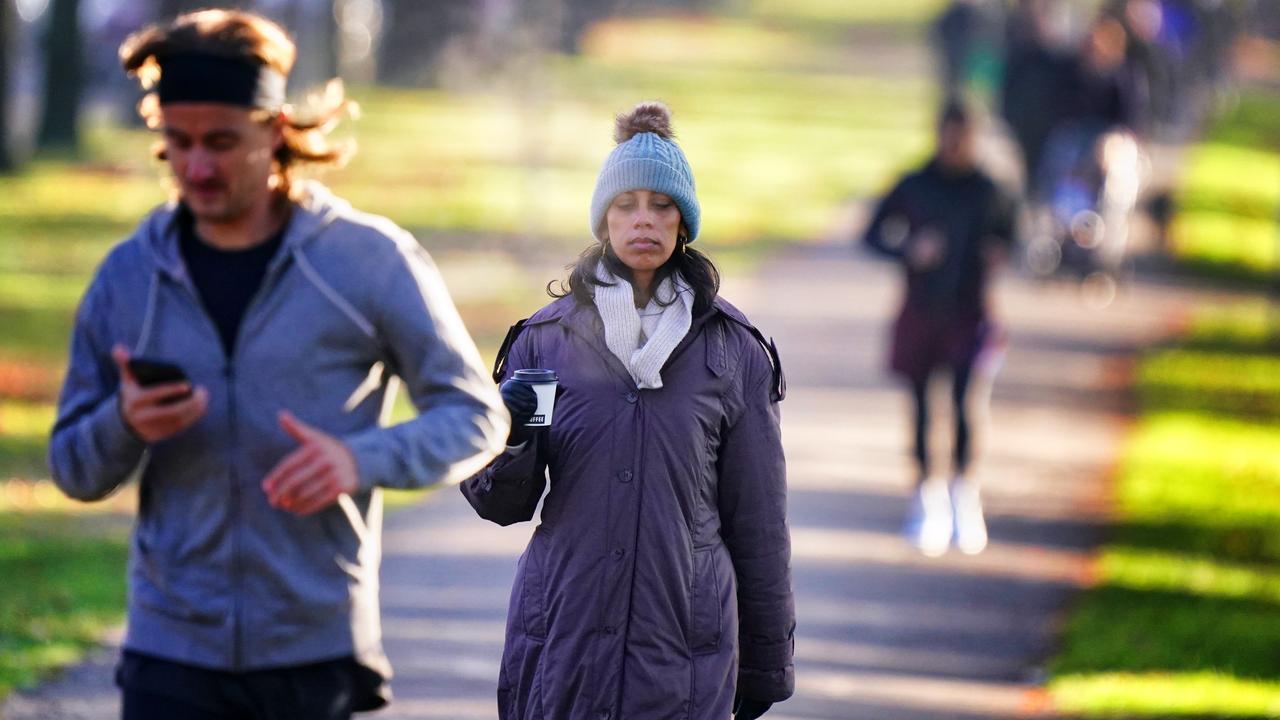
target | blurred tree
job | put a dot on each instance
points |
(169, 9)
(314, 27)
(8, 13)
(63, 78)
(415, 33)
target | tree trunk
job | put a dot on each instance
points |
(414, 34)
(167, 10)
(315, 29)
(63, 78)
(7, 19)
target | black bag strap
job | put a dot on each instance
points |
(500, 362)
(778, 392)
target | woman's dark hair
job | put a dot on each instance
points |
(696, 269)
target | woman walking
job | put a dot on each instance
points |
(658, 583)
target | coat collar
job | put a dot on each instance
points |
(584, 320)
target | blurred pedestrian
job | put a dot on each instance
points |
(1035, 78)
(947, 224)
(238, 352)
(1103, 94)
(966, 38)
(1104, 89)
(658, 583)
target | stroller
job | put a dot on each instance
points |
(1088, 186)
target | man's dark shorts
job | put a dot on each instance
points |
(925, 340)
(157, 689)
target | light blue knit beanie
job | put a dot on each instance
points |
(646, 158)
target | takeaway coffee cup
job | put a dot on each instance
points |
(544, 385)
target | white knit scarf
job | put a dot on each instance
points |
(643, 358)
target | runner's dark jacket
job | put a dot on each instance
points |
(969, 210)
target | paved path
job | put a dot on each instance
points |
(883, 632)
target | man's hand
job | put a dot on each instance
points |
(155, 413)
(312, 477)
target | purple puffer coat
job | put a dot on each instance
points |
(659, 580)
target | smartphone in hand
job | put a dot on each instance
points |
(150, 372)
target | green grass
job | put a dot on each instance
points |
(1229, 199)
(910, 14)
(66, 569)
(1185, 619)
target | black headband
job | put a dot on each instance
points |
(216, 79)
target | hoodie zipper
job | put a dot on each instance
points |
(274, 270)
(233, 434)
(293, 236)
(228, 375)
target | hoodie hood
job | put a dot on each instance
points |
(314, 208)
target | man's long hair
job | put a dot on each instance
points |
(243, 36)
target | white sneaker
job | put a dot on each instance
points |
(929, 518)
(970, 524)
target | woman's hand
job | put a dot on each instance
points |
(522, 403)
(748, 709)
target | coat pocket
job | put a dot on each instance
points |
(157, 587)
(704, 603)
(533, 611)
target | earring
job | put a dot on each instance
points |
(684, 244)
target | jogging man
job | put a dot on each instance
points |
(286, 318)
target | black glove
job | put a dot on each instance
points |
(748, 709)
(521, 402)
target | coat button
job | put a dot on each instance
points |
(619, 552)
(608, 629)
(631, 397)
(624, 476)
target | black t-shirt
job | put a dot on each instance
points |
(226, 280)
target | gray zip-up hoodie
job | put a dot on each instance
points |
(217, 577)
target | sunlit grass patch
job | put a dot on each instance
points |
(1185, 619)
(1224, 242)
(1229, 199)
(1203, 695)
(705, 40)
(1214, 379)
(39, 291)
(1252, 324)
(25, 419)
(1202, 469)
(1192, 574)
(900, 12)
(66, 582)
(66, 193)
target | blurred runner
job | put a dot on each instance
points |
(948, 225)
